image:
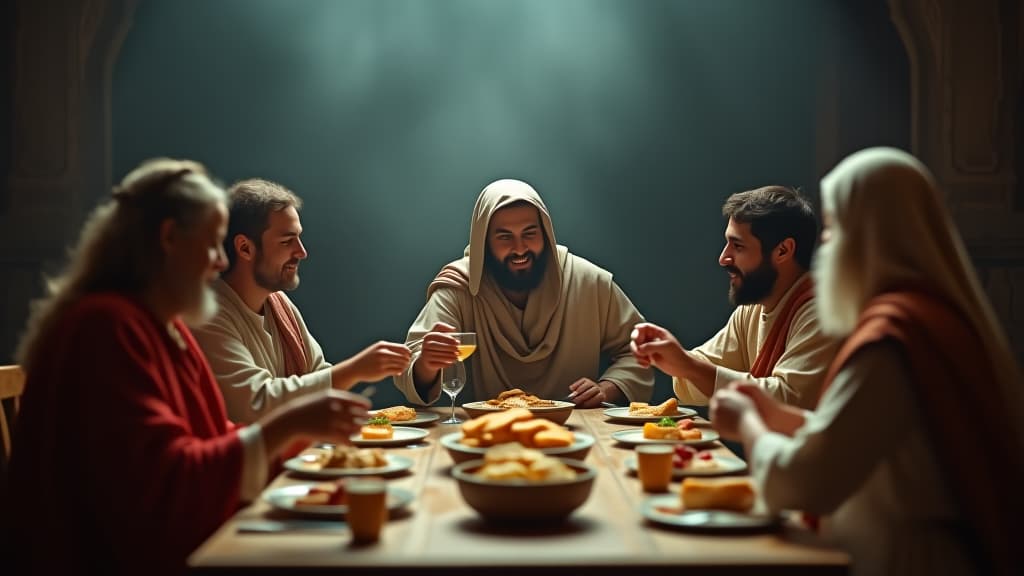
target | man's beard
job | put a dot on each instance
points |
(835, 290)
(753, 286)
(274, 280)
(202, 308)
(517, 280)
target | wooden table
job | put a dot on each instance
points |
(440, 534)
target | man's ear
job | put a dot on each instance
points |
(786, 250)
(244, 248)
(168, 234)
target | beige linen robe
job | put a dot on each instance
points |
(577, 315)
(799, 373)
(246, 354)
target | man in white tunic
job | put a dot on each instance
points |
(258, 345)
(543, 317)
(906, 484)
(773, 337)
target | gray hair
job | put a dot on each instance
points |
(119, 246)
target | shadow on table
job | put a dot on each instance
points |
(525, 528)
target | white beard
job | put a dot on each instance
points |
(836, 290)
(203, 309)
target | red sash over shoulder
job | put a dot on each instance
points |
(775, 344)
(982, 459)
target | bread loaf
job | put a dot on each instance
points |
(720, 493)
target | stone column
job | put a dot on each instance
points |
(63, 56)
(967, 69)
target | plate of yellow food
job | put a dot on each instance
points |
(667, 431)
(557, 411)
(325, 498)
(515, 425)
(379, 431)
(711, 504)
(688, 461)
(644, 412)
(333, 461)
(406, 415)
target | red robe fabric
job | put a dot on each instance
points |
(775, 343)
(123, 459)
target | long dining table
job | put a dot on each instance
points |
(438, 533)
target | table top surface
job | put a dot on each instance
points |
(439, 533)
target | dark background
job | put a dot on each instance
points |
(633, 119)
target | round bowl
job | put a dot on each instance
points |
(459, 452)
(519, 500)
(558, 413)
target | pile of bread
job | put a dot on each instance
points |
(342, 456)
(516, 398)
(513, 461)
(515, 425)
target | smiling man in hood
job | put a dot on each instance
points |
(543, 317)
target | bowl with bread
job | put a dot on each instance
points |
(515, 425)
(512, 483)
(556, 411)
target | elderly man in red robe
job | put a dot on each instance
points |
(124, 460)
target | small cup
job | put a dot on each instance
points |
(367, 508)
(654, 466)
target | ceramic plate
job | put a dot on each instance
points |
(403, 435)
(622, 413)
(421, 418)
(395, 464)
(635, 436)
(284, 499)
(724, 465)
(666, 510)
(580, 446)
(559, 405)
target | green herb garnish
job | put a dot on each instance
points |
(666, 423)
(379, 421)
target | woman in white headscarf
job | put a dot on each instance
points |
(915, 451)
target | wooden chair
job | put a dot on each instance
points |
(12, 384)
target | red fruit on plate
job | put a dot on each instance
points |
(705, 455)
(685, 452)
(678, 462)
(684, 424)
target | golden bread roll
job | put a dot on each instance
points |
(553, 438)
(719, 493)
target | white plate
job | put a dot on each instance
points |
(395, 464)
(421, 418)
(284, 499)
(666, 510)
(559, 405)
(581, 440)
(726, 465)
(622, 413)
(636, 436)
(402, 435)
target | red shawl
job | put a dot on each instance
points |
(775, 344)
(982, 458)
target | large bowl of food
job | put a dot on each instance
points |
(512, 483)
